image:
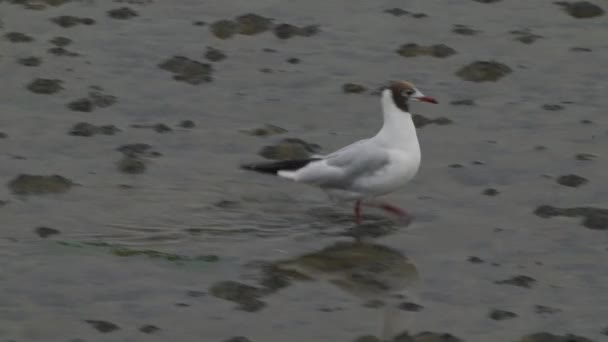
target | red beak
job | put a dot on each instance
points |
(427, 99)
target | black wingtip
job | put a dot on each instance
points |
(247, 166)
(262, 168)
(275, 167)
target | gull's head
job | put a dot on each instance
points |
(402, 91)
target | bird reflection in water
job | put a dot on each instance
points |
(372, 272)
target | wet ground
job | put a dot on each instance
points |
(125, 216)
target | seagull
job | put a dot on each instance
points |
(368, 168)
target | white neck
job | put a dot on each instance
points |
(398, 130)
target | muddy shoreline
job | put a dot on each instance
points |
(126, 217)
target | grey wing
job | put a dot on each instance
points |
(361, 159)
(347, 147)
(342, 168)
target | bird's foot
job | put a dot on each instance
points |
(400, 213)
(358, 212)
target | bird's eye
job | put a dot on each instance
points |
(409, 92)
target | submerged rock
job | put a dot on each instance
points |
(138, 150)
(81, 105)
(223, 29)
(434, 337)
(464, 30)
(525, 36)
(134, 157)
(483, 71)
(39, 4)
(150, 253)
(356, 267)
(580, 49)
(162, 128)
(275, 278)
(102, 326)
(368, 338)
(585, 156)
(131, 165)
(31, 61)
(186, 124)
(593, 218)
(500, 315)
(69, 21)
(45, 86)
(45, 232)
(419, 15)
(398, 12)
(250, 24)
(374, 304)
(237, 339)
(214, 55)
(100, 99)
(188, 70)
(96, 98)
(437, 50)
(158, 128)
(26, 184)
(421, 121)
(196, 294)
(286, 31)
(490, 192)
(581, 9)
(409, 306)
(149, 329)
(552, 107)
(85, 129)
(520, 280)
(18, 37)
(545, 310)
(464, 102)
(573, 181)
(122, 13)
(548, 337)
(61, 41)
(265, 130)
(289, 148)
(59, 51)
(475, 260)
(353, 88)
(246, 296)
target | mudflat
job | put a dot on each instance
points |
(125, 216)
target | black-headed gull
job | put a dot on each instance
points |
(367, 168)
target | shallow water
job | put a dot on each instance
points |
(193, 200)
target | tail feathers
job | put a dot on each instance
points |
(275, 167)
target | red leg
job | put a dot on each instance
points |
(393, 210)
(358, 212)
